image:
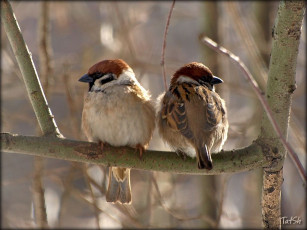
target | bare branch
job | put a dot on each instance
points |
(87, 152)
(179, 216)
(94, 200)
(260, 96)
(38, 195)
(38, 100)
(45, 50)
(259, 67)
(164, 43)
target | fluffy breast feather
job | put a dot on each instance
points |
(120, 116)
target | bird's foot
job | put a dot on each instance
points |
(98, 154)
(181, 154)
(141, 149)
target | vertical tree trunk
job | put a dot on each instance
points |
(280, 86)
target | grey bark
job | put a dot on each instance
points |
(280, 86)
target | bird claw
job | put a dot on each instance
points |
(94, 156)
(141, 150)
(99, 154)
(100, 143)
(181, 154)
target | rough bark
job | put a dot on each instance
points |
(280, 86)
(225, 162)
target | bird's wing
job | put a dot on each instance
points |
(187, 107)
(212, 108)
(174, 112)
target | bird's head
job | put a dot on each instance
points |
(195, 73)
(107, 73)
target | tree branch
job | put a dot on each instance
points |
(164, 43)
(38, 195)
(45, 49)
(38, 100)
(244, 159)
(261, 98)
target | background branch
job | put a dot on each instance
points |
(45, 73)
(225, 162)
(262, 99)
(45, 49)
(164, 44)
(38, 194)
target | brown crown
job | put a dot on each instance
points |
(194, 70)
(116, 66)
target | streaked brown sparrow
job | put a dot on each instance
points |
(191, 116)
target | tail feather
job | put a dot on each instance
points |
(119, 189)
(204, 160)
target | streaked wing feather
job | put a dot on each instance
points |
(175, 113)
(214, 112)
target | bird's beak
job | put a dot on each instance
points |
(216, 80)
(86, 78)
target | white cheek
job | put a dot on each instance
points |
(186, 79)
(127, 75)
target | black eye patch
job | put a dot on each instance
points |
(107, 78)
(97, 75)
(205, 82)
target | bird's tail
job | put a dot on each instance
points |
(119, 189)
(204, 160)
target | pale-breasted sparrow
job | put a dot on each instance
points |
(117, 111)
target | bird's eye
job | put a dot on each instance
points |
(98, 75)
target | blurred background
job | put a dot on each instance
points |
(66, 38)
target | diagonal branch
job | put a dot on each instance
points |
(261, 98)
(238, 160)
(38, 100)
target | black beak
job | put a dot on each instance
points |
(86, 78)
(216, 80)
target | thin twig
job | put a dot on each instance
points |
(94, 200)
(164, 43)
(66, 182)
(38, 195)
(262, 99)
(249, 43)
(71, 102)
(220, 207)
(45, 50)
(76, 193)
(178, 216)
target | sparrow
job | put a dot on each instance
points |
(191, 116)
(117, 111)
